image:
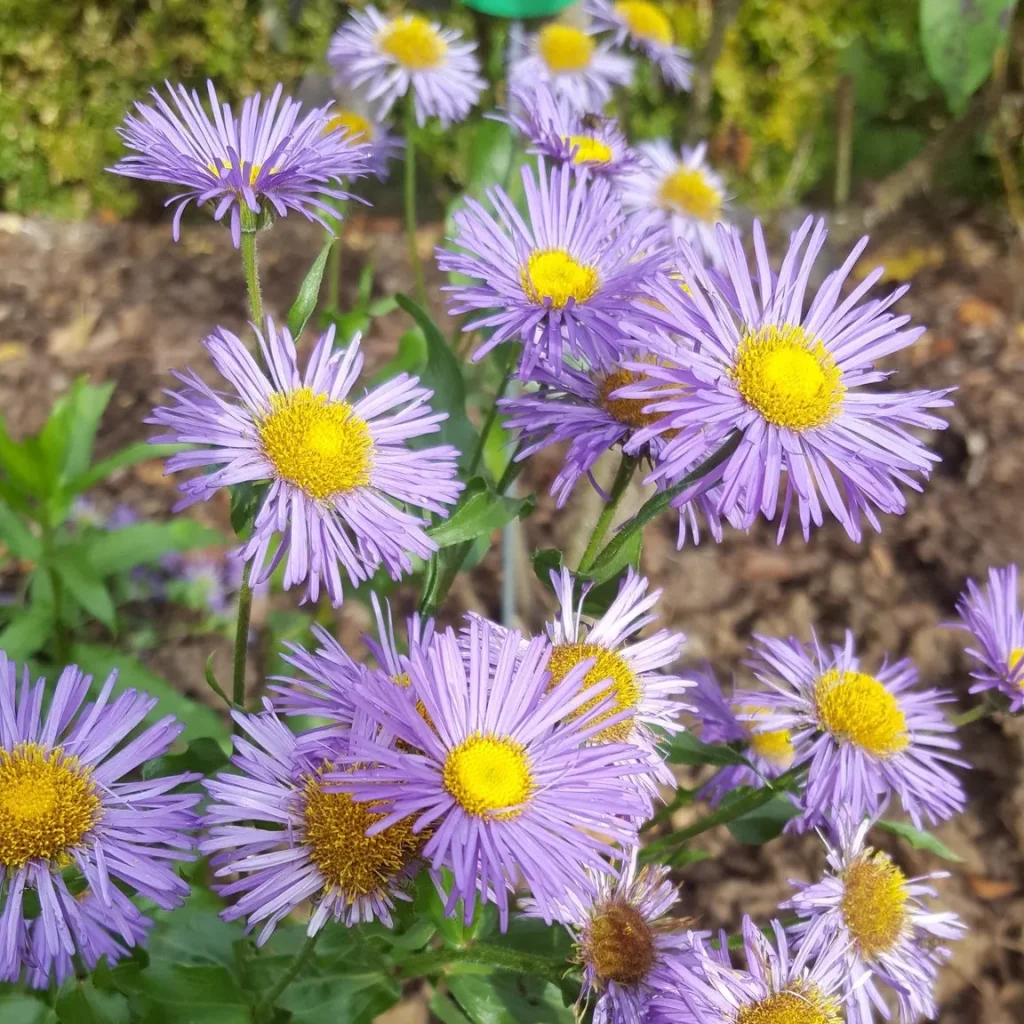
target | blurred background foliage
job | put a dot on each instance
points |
(70, 70)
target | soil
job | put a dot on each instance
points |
(121, 302)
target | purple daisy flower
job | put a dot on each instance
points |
(63, 805)
(292, 838)
(556, 129)
(561, 278)
(496, 765)
(769, 753)
(777, 987)
(862, 736)
(383, 58)
(645, 27)
(682, 192)
(583, 406)
(869, 908)
(992, 614)
(624, 941)
(337, 469)
(793, 383)
(262, 156)
(572, 62)
(357, 123)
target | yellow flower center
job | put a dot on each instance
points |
(489, 776)
(553, 274)
(413, 42)
(226, 165)
(788, 377)
(1015, 657)
(688, 191)
(48, 804)
(588, 150)
(799, 1003)
(319, 445)
(856, 707)
(619, 945)
(335, 832)
(874, 903)
(623, 686)
(645, 21)
(628, 411)
(355, 127)
(775, 747)
(564, 48)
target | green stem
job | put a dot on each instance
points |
(60, 632)
(252, 274)
(293, 971)
(241, 641)
(627, 467)
(334, 259)
(492, 415)
(725, 813)
(410, 200)
(530, 964)
(975, 714)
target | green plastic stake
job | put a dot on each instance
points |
(519, 8)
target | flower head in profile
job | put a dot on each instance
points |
(72, 804)
(794, 383)
(558, 130)
(384, 58)
(311, 843)
(625, 943)
(560, 278)
(865, 736)
(572, 61)
(770, 753)
(682, 192)
(497, 765)
(265, 159)
(868, 907)
(993, 615)
(645, 27)
(338, 470)
(357, 123)
(778, 985)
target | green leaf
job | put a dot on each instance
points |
(479, 513)
(339, 996)
(198, 719)
(246, 502)
(16, 1008)
(442, 1007)
(186, 994)
(491, 157)
(503, 998)
(765, 822)
(204, 755)
(624, 555)
(685, 748)
(17, 537)
(17, 461)
(545, 561)
(309, 292)
(141, 543)
(84, 583)
(443, 375)
(80, 1002)
(131, 455)
(27, 632)
(88, 404)
(960, 42)
(411, 358)
(919, 839)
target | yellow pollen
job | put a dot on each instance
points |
(645, 21)
(874, 902)
(799, 1003)
(319, 445)
(588, 150)
(687, 191)
(553, 274)
(618, 944)
(48, 804)
(623, 686)
(335, 832)
(413, 42)
(355, 127)
(1015, 657)
(776, 746)
(564, 48)
(489, 776)
(402, 679)
(856, 707)
(788, 377)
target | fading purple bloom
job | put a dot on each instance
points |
(336, 469)
(383, 58)
(264, 159)
(65, 804)
(645, 27)
(992, 614)
(359, 124)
